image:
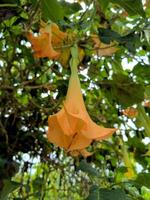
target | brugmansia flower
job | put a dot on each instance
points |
(49, 38)
(72, 128)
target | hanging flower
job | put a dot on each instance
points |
(72, 128)
(48, 39)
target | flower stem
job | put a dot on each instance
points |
(74, 62)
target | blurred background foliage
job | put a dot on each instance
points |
(115, 79)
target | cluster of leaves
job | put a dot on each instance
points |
(31, 89)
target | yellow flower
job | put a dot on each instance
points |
(72, 128)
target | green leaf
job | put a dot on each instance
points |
(132, 7)
(142, 72)
(34, 2)
(11, 21)
(143, 120)
(123, 90)
(94, 193)
(85, 167)
(9, 186)
(126, 91)
(106, 194)
(143, 179)
(116, 194)
(52, 10)
(70, 8)
(147, 91)
(24, 15)
(37, 183)
(129, 41)
(22, 99)
(119, 175)
(103, 4)
(107, 35)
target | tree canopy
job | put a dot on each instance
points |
(75, 99)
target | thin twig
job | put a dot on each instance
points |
(5, 132)
(8, 5)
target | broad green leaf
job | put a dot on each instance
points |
(23, 98)
(137, 143)
(145, 193)
(107, 35)
(119, 175)
(37, 183)
(116, 194)
(124, 90)
(16, 30)
(70, 8)
(9, 186)
(106, 194)
(143, 120)
(131, 6)
(86, 167)
(142, 72)
(11, 21)
(52, 10)
(94, 193)
(144, 179)
(129, 41)
(103, 4)
(34, 2)
(24, 15)
(147, 91)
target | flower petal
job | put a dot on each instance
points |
(82, 152)
(42, 44)
(79, 142)
(75, 119)
(55, 133)
(94, 131)
(85, 153)
(57, 35)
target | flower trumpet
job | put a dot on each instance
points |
(72, 128)
(49, 38)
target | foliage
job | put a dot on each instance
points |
(113, 39)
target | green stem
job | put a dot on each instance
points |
(74, 62)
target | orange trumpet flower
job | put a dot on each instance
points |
(50, 37)
(72, 128)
